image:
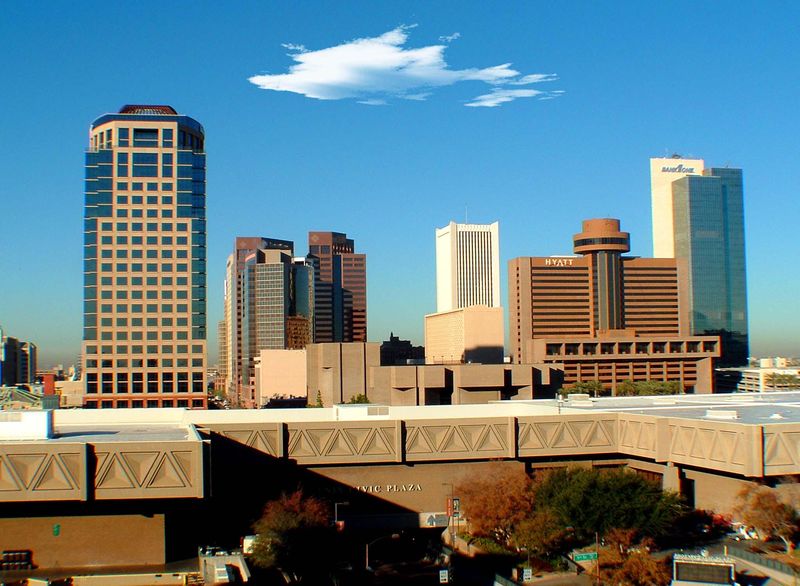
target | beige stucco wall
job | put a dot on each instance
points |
(715, 492)
(281, 372)
(340, 371)
(85, 541)
(471, 334)
(418, 487)
(71, 392)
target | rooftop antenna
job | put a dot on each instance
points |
(466, 214)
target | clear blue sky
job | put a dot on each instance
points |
(713, 80)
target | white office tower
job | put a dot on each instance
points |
(467, 266)
(663, 172)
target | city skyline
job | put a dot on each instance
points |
(300, 160)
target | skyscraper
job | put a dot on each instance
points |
(467, 266)
(707, 225)
(599, 291)
(144, 336)
(234, 305)
(662, 173)
(709, 233)
(273, 293)
(608, 317)
(340, 286)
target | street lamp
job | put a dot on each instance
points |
(373, 542)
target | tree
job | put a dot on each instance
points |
(496, 502)
(776, 380)
(762, 508)
(629, 388)
(637, 568)
(516, 511)
(597, 501)
(628, 563)
(593, 387)
(358, 399)
(542, 533)
(291, 529)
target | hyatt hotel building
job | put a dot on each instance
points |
(606, 316)
(144, 336)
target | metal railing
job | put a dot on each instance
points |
(762, 560)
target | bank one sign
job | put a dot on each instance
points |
(677, 169)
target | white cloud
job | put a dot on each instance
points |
(534, 78)
(293, 47)
(500, 96)
(450, 38)
(373, 70)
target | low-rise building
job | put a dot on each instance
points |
(469, 334)
(759, 380)
(614, 357)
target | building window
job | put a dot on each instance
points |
(145, 137)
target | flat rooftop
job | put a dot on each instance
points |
(122, 433)
(749, 408)
(142, 425)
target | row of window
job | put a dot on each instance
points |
(198, 225)
(147, 138)
(198, 268)
(124, 294)
(90, 279)
(198, 333)
(152, 253)
(141, 363)
(139, 404)
(91, 238)
(91, 350)
(91, 307)
(139, 387)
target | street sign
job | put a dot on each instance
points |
(584, 557)
(456, 504)
(444, 576)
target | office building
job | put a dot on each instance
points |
(9, 360)
(280, 374)
(468, 335)
(663, 171)
(234, 306)
(467, 266)
(269, 304)
(277, 308)
(599, 290)
(707, 224)
(337, 372)
(340, 288)
(144, 337)
(96, 502)
(28, 360)
(606, 316)
(18, 360)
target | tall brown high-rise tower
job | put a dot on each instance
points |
(340, 285)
